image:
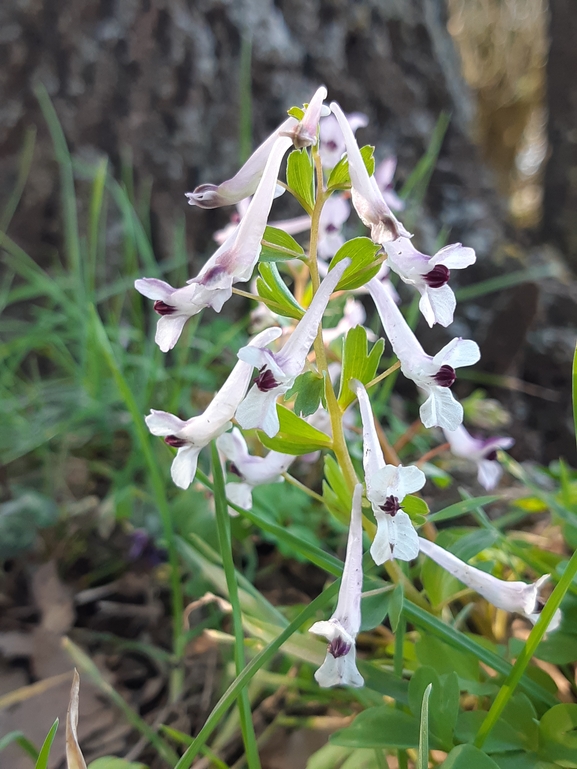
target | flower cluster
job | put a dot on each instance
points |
(270, 365)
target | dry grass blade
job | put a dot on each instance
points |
(74, 757)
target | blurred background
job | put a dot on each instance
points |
(110, 110)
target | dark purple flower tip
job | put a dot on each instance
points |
(204, 196)
(338, 647)
(234, 469)
(445, 376)
(212, 275)
(142, 547)
(439, 276)
(175, 441)
(163, 309)
(331, 145)
(331, 228)
(391, 506)
(265, 380)
(492, 455)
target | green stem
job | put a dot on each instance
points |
(224, 538)
(506, 691)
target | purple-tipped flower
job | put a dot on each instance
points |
(434, 374)
(234, 261)
(367, 197)
(192, 435)
(339, 667)
(305, 133)
(429, 275)
(384, 174)
(332, 145)
(253, 471)
(278, 371)
(482, 451)
(387, 486)
(510, 596)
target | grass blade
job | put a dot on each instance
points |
(20, 739)
(44, 755)
(224, 538)
(423, 758)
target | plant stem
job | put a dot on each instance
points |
(297, 484)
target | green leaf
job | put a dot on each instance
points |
(44, 755)
(468, 757)
(295, 435)
(273, 291)
(362, 252)
(374, 608)
(112, 762)
(558, 735)
(357, 362)
(444, 701)
(300, 177)
(520, 760)
(461, 508)
(21, 740)
(309, 389)
(278, 245)
(339, 177)
(502, 738)
(445, 660)
(379, 727)
(415, 507)
(336, 493)
(396, 606)
(297, 112)
(423, 757)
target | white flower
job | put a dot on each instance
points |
(387, 486)
(339, 667)
(292, 226)
(233, 261)
(429, 275)
(190, 436)
(278, 371)
(305, 133)
(434, 375)
(482, 451)
(367, 197)
(384, 174)
(354, 315)
(510, 596)
(332, 145)
(253, 471)
(335, 213)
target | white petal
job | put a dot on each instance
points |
(184, 465)
(462, 443)
(405, 344)
(411, 479)
(155, 289)
(395, 538)
(459, 352)
(454, 257)
(373, 459)
(168, 331)
(490, 472)
(240, 494)
(258, 409)
(381, 484)
(163, 423)
(443, 302)
(348, 610)
(339, 671)
(426, 308)
(441, 409)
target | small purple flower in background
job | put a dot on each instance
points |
(332, 145)
(191, 436)
(387, 486)
(354, 315)
(278, 371)
(430, 275)
(253, 471)
(433, 374)
(233, 261)
(339, 667)
(142, 548)
(384, 174)
(335, 213)
(482, 451)
(517, 597)
(366, 195)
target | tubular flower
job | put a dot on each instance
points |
(434, 375)
(387, 486)
(190, 436)
(291, 226)
(516, 597)
(233, 261)
(367, 197)
(332, 145)
(305, 133)
(429, 275)
(384, 174)
(245, 181)
(278, 371)
(482, 451)
(253, 471)
(339, 667)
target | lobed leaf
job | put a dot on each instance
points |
(309, 389)
(278, 246)
(273, 291)
(295, 435)
(357, 362)
(362, 252)
(339, 178)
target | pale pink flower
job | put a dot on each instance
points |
(482, 451)
(332, 145)
(384, 174)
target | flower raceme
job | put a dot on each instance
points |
(433, 374)
(339, 667)
(517, 597)
(387, 486)
(191, 436)
(252, 471)
(482, 451)
(233, 261)
(278, 371)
